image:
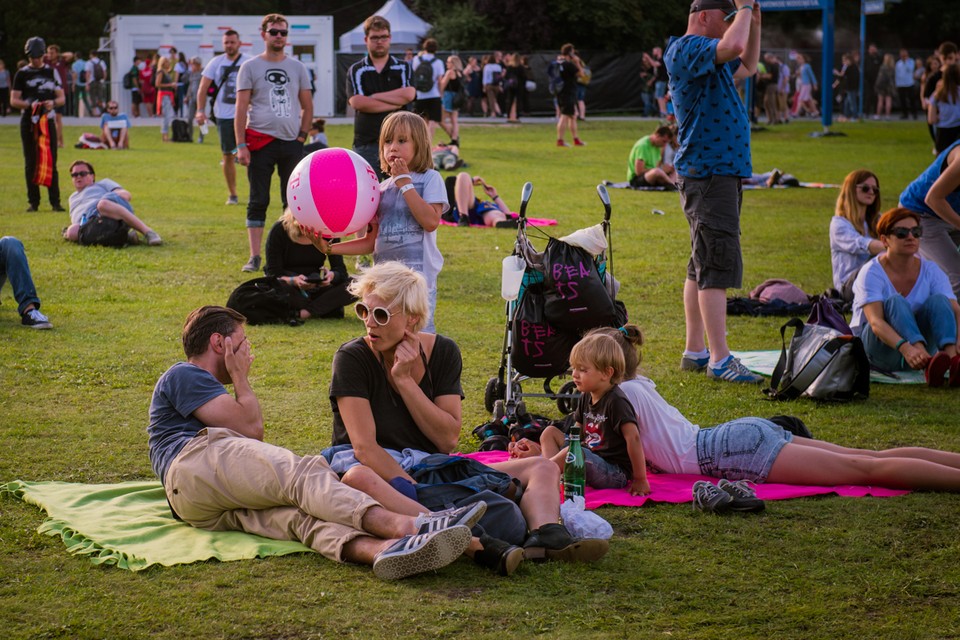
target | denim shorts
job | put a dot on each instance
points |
(742, 449)
(602, 474)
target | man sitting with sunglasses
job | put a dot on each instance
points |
(115, 127)
(397, 388)
(904, 309)
(101, 213)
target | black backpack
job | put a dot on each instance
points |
(181, 131)
(423, 76)
(264, 301)
(575, 293)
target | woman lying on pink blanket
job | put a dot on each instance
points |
(756, 449)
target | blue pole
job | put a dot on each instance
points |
(863, 56)
(826, 69)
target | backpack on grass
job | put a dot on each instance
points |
(825, 361)
(264, 301)
(181, 131)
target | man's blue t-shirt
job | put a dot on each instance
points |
(915, 195)
(714, 131)
(120, 117)
(180, 391)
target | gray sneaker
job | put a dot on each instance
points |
(411, 555)
(732, 370)
(709, 498)
(253, 264)
(153, 238)
(232, 200)
(694, 364)
(466, 516)
(745, 499)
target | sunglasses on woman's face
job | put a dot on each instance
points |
(381, 315)
(903, 232)
(866, 188)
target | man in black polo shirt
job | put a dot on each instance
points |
(377, 86)
(37, 91)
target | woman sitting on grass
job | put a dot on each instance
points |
(853, 229)
(757, 450)
(903, 307)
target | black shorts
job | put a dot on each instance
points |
(712, 208)
(567, 103)
(107, 232)
(639, 180)
(430, 108)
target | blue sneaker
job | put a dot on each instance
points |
(694, 364)
(732, 370)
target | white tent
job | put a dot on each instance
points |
(406, 28)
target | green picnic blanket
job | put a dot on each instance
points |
(129, 525)
(763, 362)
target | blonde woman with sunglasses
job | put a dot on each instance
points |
(904, 309)
(853, 229)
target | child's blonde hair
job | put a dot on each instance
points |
(601, 352)
(630, 339)
(409, 123)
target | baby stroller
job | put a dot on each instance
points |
(565, 291)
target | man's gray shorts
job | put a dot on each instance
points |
(712, 208)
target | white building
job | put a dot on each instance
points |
(311, 40)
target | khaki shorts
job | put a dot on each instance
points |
(712, 208)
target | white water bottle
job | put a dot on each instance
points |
(204, 129)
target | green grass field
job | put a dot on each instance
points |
(73, 407)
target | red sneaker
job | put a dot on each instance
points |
(577, 142)
(937, 368)
(562, 143)
(954, 371)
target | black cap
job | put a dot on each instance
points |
(707, 5)
(35, 47)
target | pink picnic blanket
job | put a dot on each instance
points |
(677, 488)
(534, 222)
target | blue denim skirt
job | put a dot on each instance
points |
(742, 449)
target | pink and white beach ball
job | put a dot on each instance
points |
(334, 192)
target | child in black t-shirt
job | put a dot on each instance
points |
(611, 440)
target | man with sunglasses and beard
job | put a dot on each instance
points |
(272, 121)
(722, 43)
(397, 389)
(207, 448)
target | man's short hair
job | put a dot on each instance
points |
(56, 47)
(203, 323)
(375, 23)
(272, 18)
(430, 45)
(231, 32)
(665, 131)
(947, 48)
(84, 163)
(93, 53)
(397, 285)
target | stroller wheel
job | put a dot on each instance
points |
(568, 397)
(494, 391)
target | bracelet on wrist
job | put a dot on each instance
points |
(241, 145)
(403, 175)
(747, 7)
(900, 344)
(406, 188)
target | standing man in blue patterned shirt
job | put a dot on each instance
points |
(722, 43)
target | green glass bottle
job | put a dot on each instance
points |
(574, 469)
